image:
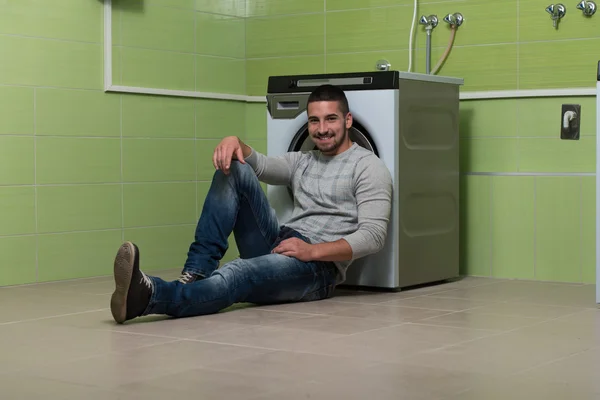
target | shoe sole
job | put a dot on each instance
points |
(123, 270)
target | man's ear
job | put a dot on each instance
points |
(349, 120)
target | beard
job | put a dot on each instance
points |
(330, 142)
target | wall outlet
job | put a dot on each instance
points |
(570, 121)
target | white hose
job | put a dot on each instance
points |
(410, 41)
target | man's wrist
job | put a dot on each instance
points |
(314, 252)
(246, 150)
(340, 250)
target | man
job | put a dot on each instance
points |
(342, 202)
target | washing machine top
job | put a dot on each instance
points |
(369, 80)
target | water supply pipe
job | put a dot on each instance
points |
(430, 23)
(428, 47)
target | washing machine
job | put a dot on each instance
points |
(411, 122)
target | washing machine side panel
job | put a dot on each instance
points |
(429, 182)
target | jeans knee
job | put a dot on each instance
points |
(242, 171)
(226, 281)
(242, 176)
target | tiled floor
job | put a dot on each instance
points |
(470, 339)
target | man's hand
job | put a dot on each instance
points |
(297, 248)
(230, 148)
(339, 250)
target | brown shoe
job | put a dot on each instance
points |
(132, 287)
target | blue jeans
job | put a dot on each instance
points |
(236, 203)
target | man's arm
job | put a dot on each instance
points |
(271, 170)
(246, 150)
(374, 201)
(339, 250)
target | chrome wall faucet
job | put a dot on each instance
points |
(556, 11)
(455, 19)
(588, 7)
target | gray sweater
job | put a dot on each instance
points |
(348, 196)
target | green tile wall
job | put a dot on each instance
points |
(200, 43)
(82, 170)
(513, 218)
(531, 234)
(504, 45)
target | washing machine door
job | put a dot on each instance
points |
(358, 134)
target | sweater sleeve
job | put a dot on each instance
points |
(373, 188)
(273, 170)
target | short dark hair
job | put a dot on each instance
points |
(330, 93)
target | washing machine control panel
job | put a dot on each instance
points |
(346, 81)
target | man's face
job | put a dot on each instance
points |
(328, 127)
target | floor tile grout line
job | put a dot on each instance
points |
(235, 345)
(482, 330)
(446, 295)
(51, 317)
(546, 363)
(497, 334)
(266, 325)
(533, 303)
(90, 357)
(440, 316)
(197, 340)
(433, 296)
(375, 329)
(308, 314)
(399, 306)
(500, 281)
(487, 313)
